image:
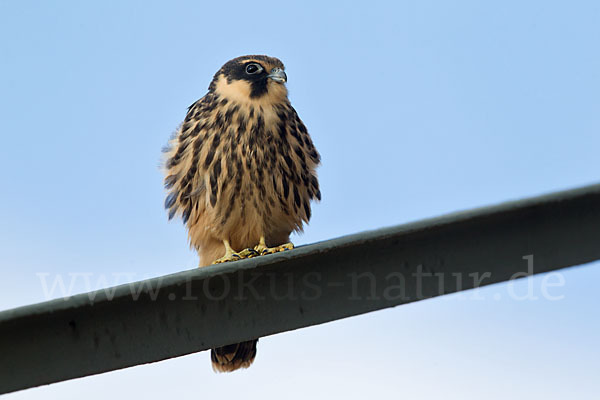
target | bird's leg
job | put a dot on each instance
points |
(262, 248)
(230, 254)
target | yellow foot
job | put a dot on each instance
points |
(248, 253)
(228, 257)
(262, 248)
(231, 255)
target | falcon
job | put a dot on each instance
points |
(240, 173)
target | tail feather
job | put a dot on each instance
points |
(234, 356)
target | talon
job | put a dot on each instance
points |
(286, 246)
(228, 257)
(248, 253)
(262, 248)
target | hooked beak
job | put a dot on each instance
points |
(278, 75)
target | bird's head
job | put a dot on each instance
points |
(249, 79)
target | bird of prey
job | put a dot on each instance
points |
(240, 172)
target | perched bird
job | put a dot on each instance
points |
(240, 172)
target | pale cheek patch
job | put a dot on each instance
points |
(239, 92)
(235, 91)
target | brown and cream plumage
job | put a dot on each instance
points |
(240, 172)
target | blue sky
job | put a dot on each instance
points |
(417, 108)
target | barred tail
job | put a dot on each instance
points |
(234, 356)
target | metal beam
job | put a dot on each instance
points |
(196, 310)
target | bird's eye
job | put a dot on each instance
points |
(253, 68)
